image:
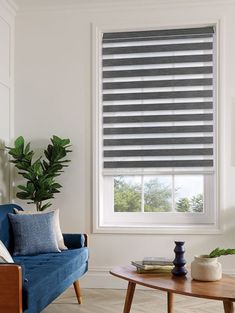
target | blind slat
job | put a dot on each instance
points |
(159, 72)
(158, 141)
(157, 130)
(158, 48)
(154, 152)
(135, 164)
(138, 39)
(158, 95)
(159, 60)
(158, 106)
(158, 118)
(170, 33)
(159, 83)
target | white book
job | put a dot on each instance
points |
(157, 261)
(140, 265)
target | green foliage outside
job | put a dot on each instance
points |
(195, 204)
(40, 174)
(157, 197)
(183, 205)
(127, 196)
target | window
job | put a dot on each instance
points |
(156, 194)
(157, 130)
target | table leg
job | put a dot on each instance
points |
(228, 307)
(170, 302)
(129, 296)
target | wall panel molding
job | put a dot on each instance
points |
(103, 5)
(7, 43)
(9, 5)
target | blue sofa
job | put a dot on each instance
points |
(33, 282)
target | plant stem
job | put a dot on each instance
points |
(38, 206)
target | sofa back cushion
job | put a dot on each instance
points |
(59, 235)
(6, 232)
(34, 233)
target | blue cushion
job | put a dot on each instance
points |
(48, 275)
(34, 233)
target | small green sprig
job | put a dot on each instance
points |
(218, 252)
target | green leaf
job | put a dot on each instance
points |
(37, 167)
(56, 140)
(30, 188)
(45, 206)
(21, 187)
(19, 142)
(65, 142)
(60, 141)
(23, 195)
(56, 185)
(27, 148)
(218, 252)
(45, 165)
(47, 153)
(21, 166)
(30, 176)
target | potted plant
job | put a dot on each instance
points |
(206, 267)
(40, 174)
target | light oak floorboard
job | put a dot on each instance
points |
(144, 301)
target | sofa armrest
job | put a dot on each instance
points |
(10, 288)
(75, 241)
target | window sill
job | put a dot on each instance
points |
(165, 230)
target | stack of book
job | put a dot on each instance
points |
(152, 265)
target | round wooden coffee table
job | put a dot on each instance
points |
(223, 289)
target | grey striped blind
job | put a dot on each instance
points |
(158, 99)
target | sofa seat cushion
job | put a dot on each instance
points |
(49, 272)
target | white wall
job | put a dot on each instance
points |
(7, 29)
(54, 96)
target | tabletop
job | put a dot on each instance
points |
(223, 289)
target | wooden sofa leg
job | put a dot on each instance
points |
(77, 288)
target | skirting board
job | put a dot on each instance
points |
(99, 277)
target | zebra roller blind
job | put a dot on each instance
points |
(158, 99)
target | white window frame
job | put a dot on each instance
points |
(119, 222)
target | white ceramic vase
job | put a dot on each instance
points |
(204, 268)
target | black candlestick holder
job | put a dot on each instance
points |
(179, 261)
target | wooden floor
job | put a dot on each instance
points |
(111, 301)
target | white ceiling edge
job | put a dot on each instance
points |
(9, 5)
(54, 5)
